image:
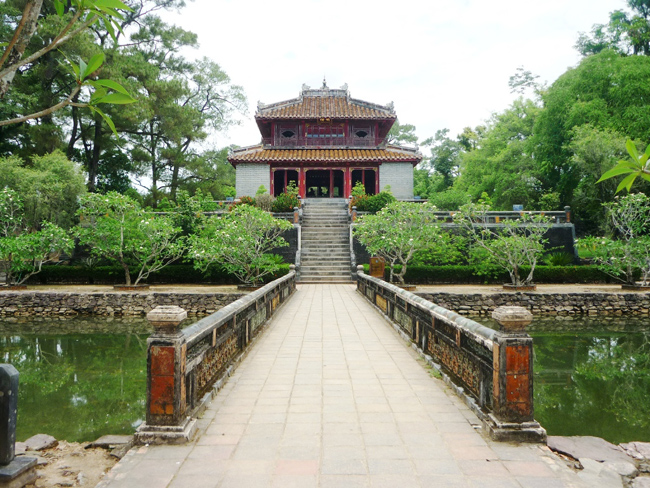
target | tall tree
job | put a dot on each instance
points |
(606, 91)
(502, 164)
(627, 33)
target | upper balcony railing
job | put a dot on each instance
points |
(303, 141)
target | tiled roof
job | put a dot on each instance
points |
(261, 154)
(325, 103)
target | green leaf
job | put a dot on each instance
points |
(627, 182)
(114, 4)
(117, 98)
(615, 171)
(59, 7)
(113, 85)
(82, 70)
(106, 118)
(631, 149)
(93, 65)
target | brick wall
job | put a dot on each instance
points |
(400, 178)
(249, 178)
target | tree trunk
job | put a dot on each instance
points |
(127, 273)
(93, 163)
(174, 183)
(19, 42)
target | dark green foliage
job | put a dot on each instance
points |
(559, 259)
(459, 274)
(174, 273)
(285, 202)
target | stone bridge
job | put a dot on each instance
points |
(328, 394)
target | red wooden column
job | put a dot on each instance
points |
(302, 184)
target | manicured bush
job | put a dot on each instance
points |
(109, 275)
(460, 275)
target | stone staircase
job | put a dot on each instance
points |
(325, 242)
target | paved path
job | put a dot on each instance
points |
(330, 396)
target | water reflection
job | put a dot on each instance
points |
(592, 377)
(79, 378)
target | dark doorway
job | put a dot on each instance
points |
(324, 183)
(281, 178)
(367, 178)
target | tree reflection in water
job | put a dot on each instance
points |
(592, 377)
(79, 385)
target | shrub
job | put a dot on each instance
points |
(264, 202)
(465, 274)
(285, 202)
(372, 203)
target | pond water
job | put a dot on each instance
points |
(592, 377)
(80, 378)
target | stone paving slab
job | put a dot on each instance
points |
(331, 397)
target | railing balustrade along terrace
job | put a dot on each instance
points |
(491, 370)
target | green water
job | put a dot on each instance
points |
(79, 378)
(85, 377)
(592, 377)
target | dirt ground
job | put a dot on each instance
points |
(70, 464)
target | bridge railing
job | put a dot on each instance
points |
(185, 365)
(492, 370)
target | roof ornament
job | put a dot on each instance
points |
(344, 87)
(260, 105)
(325, 87)
(391, 106)
(305, 87)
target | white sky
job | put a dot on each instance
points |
(444, 63)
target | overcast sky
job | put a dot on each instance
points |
(444, 63)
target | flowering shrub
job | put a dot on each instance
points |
(622, 257)
(511, 245)
(114, 226)
(240, 242)
(397, 232)
(23, 251)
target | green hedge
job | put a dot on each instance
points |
(458, 274)
(111, 275)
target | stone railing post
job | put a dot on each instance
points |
(354, 214)
(567, 211)
(296, 215)
(512, 417)
(14, 471)
(166, 420)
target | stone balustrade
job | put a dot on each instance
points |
(491, 370)
(184, 366)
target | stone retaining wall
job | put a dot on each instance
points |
(120, 303)
(545, 303)
(109, 303)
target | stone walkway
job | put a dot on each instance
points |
(330, 396)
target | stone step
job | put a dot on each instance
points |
(325, 267)
(319, 257)
(347, 277)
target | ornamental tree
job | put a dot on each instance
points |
(115, 227)
(397, 231)
(622, 257)
(240, 242)
(22, 251)
(508, 245)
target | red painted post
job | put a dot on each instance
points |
(166, 361)
(513, 366)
